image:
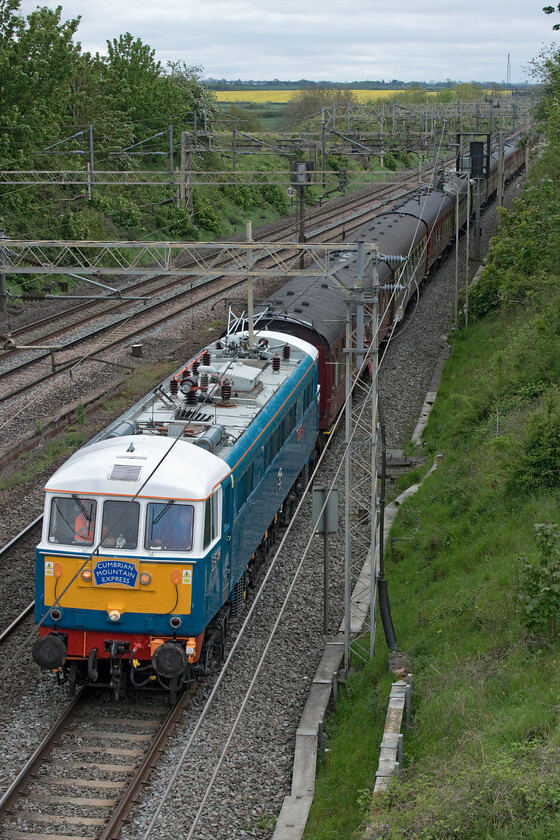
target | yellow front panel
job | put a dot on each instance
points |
(170, 589)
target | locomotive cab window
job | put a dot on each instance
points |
(72, 521)
(169, 526)
(211, 519)
(120, 525)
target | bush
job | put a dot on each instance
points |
(243, 196)
(540, 458)
(205, 216)
(276, 197)
(511, 795)
(539, 593)
(178, 223)
(484, 298)
(123, 212)
(390, 161)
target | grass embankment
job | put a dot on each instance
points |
(480, 622)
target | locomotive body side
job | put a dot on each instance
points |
(148, 534)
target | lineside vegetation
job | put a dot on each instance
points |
(474, 569)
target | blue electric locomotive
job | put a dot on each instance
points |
(153, 530)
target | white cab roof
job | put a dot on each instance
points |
(158, 467)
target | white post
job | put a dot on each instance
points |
(456, 324)
(467, 278)
(249, 233)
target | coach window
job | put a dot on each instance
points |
(72, 521)
(211, 518)
(169, 526)
(119, 528)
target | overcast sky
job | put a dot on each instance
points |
(339, 40)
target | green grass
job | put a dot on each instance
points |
(31, 464)
(482, 755)
(347, 768)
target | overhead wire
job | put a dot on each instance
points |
(258, 668)
(367, 352)
(204, 713)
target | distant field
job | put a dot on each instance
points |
(280, 97)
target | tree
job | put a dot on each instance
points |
(37, 62)
(133, 79)
(549, 10)
(195, 97)
(11, 21)
(310, 102)
(243, 120)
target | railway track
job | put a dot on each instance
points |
(75, 315)
(29, 385)
(17, 622)
(352, 215)
(126, 325)
(87, 772)
(15, 612)
(258, 759)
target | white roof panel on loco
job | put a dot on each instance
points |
(197, 435)
(180, 469)
(201, 411)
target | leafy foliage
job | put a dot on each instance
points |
(51, 90)
(205, 214)
(513, 791)
(311, 101)
(539, 593)
(536, 462)
(549, 10)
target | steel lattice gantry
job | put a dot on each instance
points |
(196, 178)
(246, 260)
(174, 258)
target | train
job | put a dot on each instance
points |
(154, 531)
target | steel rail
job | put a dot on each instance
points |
(117, 303)
(16, 622)
(21, 535)
(132, 786)
(115, 823)
(357, 220)
(314, 215)
(19, 783)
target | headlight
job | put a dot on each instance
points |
(86, 575)
(145, 578)
(114, 615)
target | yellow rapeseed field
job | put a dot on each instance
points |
(283, 96)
